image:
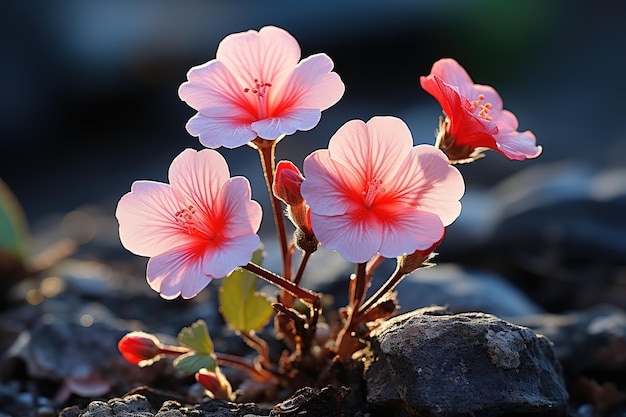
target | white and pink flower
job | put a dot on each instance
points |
(258, 87)
(373, 192)
(199, 227)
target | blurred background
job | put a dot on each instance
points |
(90, 104)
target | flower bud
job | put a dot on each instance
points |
(140, 348)
(215, 382)
(287, 183)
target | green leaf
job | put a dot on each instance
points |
(243, 308)
(192, 362)
(14, 232)
(196, 337)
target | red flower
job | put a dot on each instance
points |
(475, 120)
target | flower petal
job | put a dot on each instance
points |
(452, 73)
(213, 85)
(410, 230)
(519, 145)
(177, 272)
(287, 123)
(146, 217)
(355, 240)
(329, 186)
(269, 55)
(372, 150)
(214, 132)
(199, 176)
(222, 259)
(427, 182)
(312, 85)
(241, 215)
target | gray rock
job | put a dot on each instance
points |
(434, 363)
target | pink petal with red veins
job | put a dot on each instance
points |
(287, 123)
(241, 216)
(269, 55)
(328, 186)
(311, 86)
(373, 150)
(356, 240)
(426, 181)
(214, 132)
(409, 230)
(213, 85)
(177, 272)
(146, 216)
(198, 176)
(221, 259)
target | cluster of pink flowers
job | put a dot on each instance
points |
(371, 194)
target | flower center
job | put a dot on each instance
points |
(483, 109)
(369, 194)
(260, 88)
(186, 218)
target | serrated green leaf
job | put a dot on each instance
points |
(243, 308)
(192, 362)
(196, 337)
(14, 232)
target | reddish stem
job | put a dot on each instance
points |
(391, 283)
(266, 150)
(223, 359)
(305, 295)
(245, 365)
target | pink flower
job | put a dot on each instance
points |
(475, 120)
(199, 227)
(373, 192)
(257, 88)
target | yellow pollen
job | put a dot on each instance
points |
(483, 108)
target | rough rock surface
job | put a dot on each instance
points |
(434, 363)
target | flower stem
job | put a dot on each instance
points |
(308, 297)
(303, 261)
(258, 344)
(360, 286)
(223, 359)
(240, 363)
(391, 283)
(266, 150)
(346, 342)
